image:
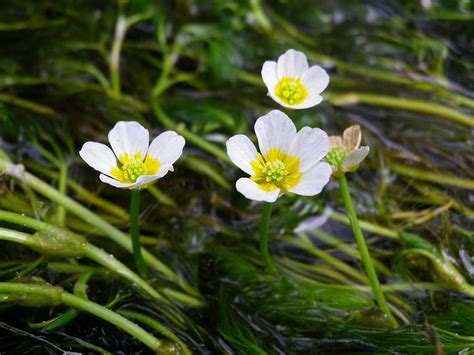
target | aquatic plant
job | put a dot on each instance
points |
(400, 70)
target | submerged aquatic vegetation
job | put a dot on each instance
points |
(400, 70)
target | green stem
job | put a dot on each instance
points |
(14, 236)
(153, 323)
(113, 318)
(119, 35)
(264, 224)
(428, 108)
(62, 184)
(135, 233)
(55, 294)
(91, 218)
(28, 105)
(364, 251)
(92, 252)
(426, 175)
(112, 264)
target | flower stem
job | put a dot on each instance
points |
(264, 224)
(135, 233)
(364, 251)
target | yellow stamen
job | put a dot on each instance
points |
(129, 169)
(276, 170)
(291, 91)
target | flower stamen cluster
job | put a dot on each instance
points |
(291, 91)
(275, 172)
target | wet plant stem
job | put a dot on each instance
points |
(364, 251)
(264, 226)
(43, 294)
(114, 61)
(135, 233)
(62, 186)
(91, 218)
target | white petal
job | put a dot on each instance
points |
(292, 64)
(113, 182)
(167, 148)
(142, 181)
(313, 180)
(145, 180)
(270, 75)
(284, 104)
(252, 191)
(98, 156)
(354, 158)
(129, 138)
(310, 145)
(242, 151)
(310, 101)
(315, 79)
(274, 130)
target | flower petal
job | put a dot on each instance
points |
(284, 104)
(315, 79)
(354, 158)
(270, 75)
(167, 148)
(129, 138)
(113, 182)
(145, 180)
(142, 181)
(336, 141)
(312, 100)
(313, 180)
(242, 151)
(98, 156)
(252, 191)
(310, 145)
(352, 137)
(274, 130)
(292, 64)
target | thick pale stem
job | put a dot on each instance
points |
(135, 233)
(55, 294)
(112, 264)
(264, 226)
(92, 219)
(364, 251)
(61, 211)
(14, 236)
(93, 253)
(120, 30)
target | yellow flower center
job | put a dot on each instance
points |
(129, 169)
(291, 91)
(276, 170)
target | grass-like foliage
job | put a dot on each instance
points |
(70, 70)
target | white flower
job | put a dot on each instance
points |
(132, 162)
(291, 83)
(288, 160)
(346, 153)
